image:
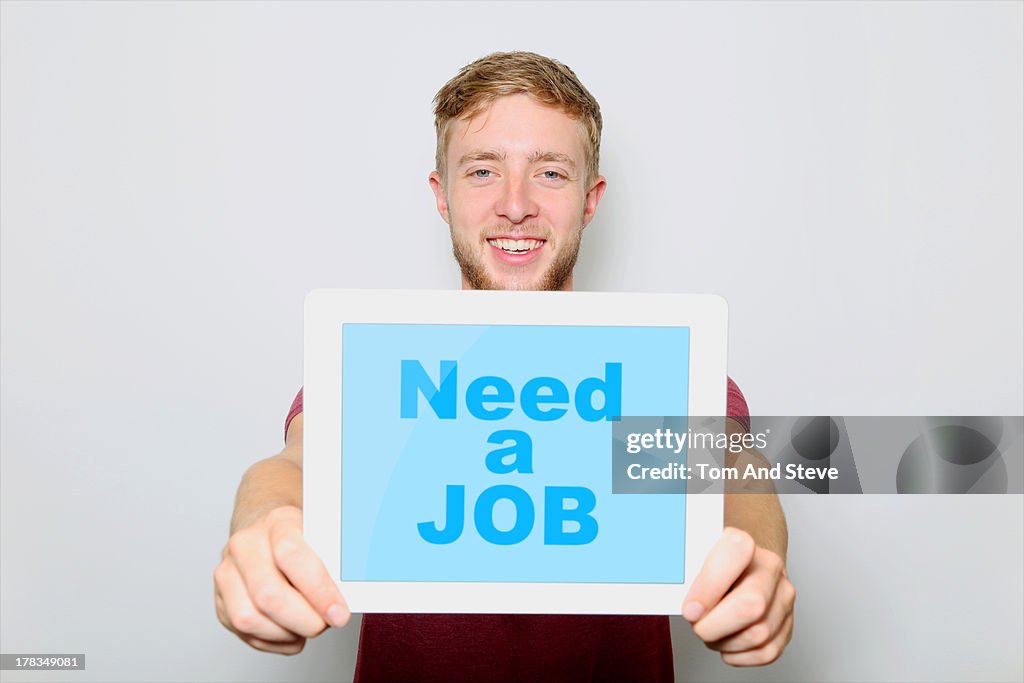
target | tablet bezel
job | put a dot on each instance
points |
(326, 310)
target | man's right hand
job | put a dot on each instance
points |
(272, 590)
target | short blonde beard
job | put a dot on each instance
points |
(554, 279)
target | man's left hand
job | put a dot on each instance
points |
(741, 603)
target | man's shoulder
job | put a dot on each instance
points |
(736, 404)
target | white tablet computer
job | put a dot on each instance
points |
(457, 447)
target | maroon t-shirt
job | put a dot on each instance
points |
(407, 648)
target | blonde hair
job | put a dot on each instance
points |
(547, 81)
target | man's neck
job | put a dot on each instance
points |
(567, 287)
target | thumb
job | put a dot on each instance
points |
(726, 562)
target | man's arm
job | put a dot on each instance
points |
(271, 483)
(270, 588)
(758, 513)
(741, 603)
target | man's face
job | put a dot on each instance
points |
(515, 198)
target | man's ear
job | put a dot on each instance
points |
(592, 199)
(440, 195)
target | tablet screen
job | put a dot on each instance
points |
(482, 453)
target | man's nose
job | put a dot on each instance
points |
(517, 202)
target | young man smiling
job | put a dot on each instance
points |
(516, 179)
(522, 177)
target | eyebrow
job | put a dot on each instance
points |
(552, 157)
(501, 155)
(482, 155)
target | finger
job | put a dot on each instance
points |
(237, 612)
(290, 648)
(766, 654)
(307, 573)
(728, 559)
(747, 603)
(271, 594)
(760, 633)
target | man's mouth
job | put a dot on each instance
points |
(516, 246)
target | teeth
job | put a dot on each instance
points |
(516, 245)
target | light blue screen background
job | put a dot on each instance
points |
(395, 471)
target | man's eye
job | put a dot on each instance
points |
(552, 175)
(482, 173)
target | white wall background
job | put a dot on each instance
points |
(175, 177)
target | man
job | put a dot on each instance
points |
(517, 181)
